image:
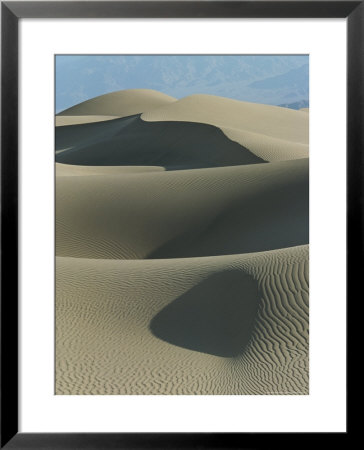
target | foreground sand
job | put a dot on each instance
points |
(181, 243)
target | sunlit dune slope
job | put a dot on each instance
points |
(65, 170)
(120, 103)
(261, 128)
(62, 121)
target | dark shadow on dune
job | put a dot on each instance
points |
(132, 141)
(214, 317)
(277, 218)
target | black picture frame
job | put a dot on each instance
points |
(11, 12)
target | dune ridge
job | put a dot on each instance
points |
(181, 247)
(132, 141)
(242, 122)
(119, 103)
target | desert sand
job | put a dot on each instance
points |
(181, 247)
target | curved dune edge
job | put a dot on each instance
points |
(266, 147)
(272, 133)
(250, 124)
(69, 170)
(132, 141)
(65, 121)
(105, 309)
(120, 103)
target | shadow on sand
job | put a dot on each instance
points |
(214, 317)
(131, 141)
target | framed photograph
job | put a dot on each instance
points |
(181, 188)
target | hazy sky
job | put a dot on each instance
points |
(272, 79)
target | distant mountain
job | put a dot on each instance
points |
(296, 105)
(295, 78)
(255, 78)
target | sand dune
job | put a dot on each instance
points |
(120, 103)
(243, 122)
(78, 120)
(182, 247)
(132, 141)
(199, 212)
(68, 170)
(124, 327)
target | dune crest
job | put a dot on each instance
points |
(63, 121)
(132, 141)
(242, 122)
(120, 103)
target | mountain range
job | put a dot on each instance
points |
(269, 79)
